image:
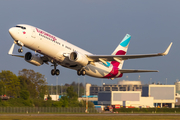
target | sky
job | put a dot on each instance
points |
(98, 26)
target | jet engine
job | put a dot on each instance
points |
(34, 59)
(78, 58)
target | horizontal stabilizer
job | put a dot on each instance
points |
(135, 71)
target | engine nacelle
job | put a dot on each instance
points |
(33, 59)
(78, 58)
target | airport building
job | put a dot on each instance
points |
(121, 86)
(177, 100)
(177, 86)
(164, 95)
(134, 94)
(124, 98)
(131, 94)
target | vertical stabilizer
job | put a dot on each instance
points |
(121, 50)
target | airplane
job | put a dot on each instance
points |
(49, 48)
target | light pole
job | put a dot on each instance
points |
(150, 80)
(84, 86)
(127, 77)
(61, 88)
(46, 80)
(56, 87)
(78, 87)
(51, 88)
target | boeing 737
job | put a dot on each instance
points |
(51, 49)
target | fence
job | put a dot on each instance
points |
(45, 110)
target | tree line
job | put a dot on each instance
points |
(27, 80)
(29, 88)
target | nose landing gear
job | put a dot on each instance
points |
(19, 43)
(20, 50)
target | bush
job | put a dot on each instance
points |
(27, 103)
(24, 94)
(4, 104)
(57, 104)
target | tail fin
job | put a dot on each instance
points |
(121, 50)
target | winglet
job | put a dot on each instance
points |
(167, 50)
(11, 49)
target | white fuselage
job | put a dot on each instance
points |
(56, 49)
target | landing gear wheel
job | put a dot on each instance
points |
(53, 72)
(20, 50)
(83, 72)
(57, 72)
(78, 72)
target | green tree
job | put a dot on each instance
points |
(34, 82)
(71, 94)
(1, 88)
(10, 84)
(78, 87)
(24, 94)
(72, 97)
(64, 101)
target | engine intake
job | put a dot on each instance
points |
(34, 59)
(78, 58)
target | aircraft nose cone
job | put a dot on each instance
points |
(12, 32)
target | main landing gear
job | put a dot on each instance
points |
(55, 71)
(81, 72)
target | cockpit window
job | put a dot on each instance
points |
(21, 27)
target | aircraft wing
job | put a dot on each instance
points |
(118, 58)
(134, 71)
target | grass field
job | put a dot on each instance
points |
(89, 117)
